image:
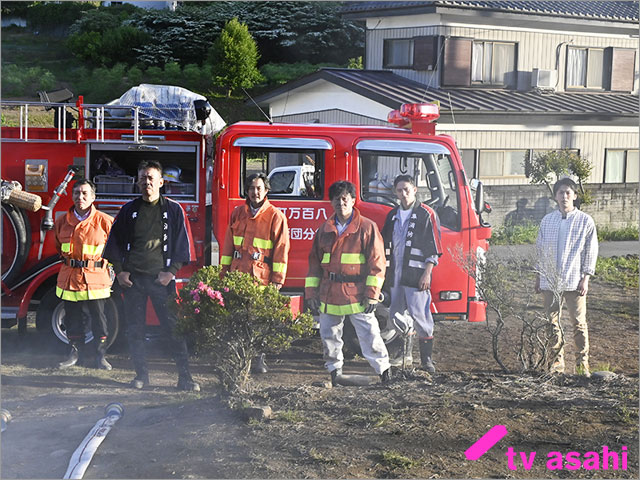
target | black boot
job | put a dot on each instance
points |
(188, 384)
(426, 350)
(141, 381)
(73, 357)
(334, 376)
(260, 366)
(185, 381)
(101, 362)
(386, 375)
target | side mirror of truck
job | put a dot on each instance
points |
(477, 186)
(480, 205)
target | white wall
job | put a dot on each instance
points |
(322, 95)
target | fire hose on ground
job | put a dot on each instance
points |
(84, 453)
(5, 418)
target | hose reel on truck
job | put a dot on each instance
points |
(16, 231)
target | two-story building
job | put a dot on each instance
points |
(512, 78)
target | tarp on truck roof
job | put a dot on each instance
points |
(176, 106)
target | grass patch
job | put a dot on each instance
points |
(630, 232)
(603, 367)
(620, 271)
(522, 234)
(370, 419)
(291, 416)
(317, 456)
(396, 460)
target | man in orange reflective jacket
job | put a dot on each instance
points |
(257, 240)
(84, 279)
(346, 272)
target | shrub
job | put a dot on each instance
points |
(134, 75)
(172, 74)
(630, 232)
(103, 84)
(154, 75)
(18, 81)
(620, 271)
(191, 76)
(499, 282)
(518, 234)
(356, 63)
(47, 81)
(233, 319)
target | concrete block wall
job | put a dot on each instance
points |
(614, 205)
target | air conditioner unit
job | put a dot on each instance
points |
(543, 79)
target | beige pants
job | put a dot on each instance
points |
(577, 308)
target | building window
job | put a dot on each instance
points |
(621, 166)
(585, 67)
(469, 162)
(501, 163)
(493, 63)
(398, 53)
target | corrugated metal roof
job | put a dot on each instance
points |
(600, 10)
(392, 90)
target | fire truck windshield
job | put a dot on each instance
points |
(433, 173)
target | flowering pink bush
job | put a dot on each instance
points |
(232, 318)
(214, 295)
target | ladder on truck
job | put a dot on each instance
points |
(89, 119)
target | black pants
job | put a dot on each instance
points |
(76, 320)
(135, 305)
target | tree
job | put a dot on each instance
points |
(545, 168)
(102, 38)
(234, 58)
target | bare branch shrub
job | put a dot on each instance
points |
(506, 284)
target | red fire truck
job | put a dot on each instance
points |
(207, 176)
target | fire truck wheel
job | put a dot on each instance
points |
(16, 242)
(50, 319)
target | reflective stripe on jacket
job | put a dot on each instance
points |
(83, 240)
(258, 245)
(357, 255)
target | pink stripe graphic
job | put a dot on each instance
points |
(485, 442)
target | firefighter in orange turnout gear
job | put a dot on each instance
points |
(257, 241)
(346, 272)
(84, 279)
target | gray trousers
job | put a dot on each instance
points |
(368, 331)
(417, 304)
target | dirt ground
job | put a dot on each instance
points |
(419, 427)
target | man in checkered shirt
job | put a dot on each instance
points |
(567, 251)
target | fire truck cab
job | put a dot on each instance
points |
(207, 178)
(370, 157)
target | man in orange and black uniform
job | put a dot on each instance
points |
(84, 280)
(257, 240)
(346, 272)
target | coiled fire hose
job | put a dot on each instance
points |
(11, 192)
(84, 453)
